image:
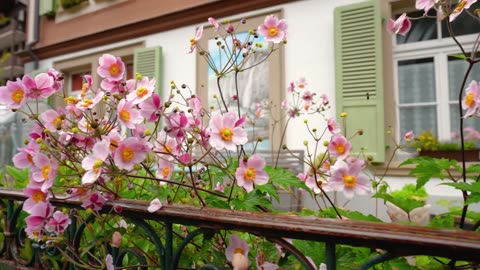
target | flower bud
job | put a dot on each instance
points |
(239, 262)
(39, 140)
(326, 143)
(343, 114)
(116, 239)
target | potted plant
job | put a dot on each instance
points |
(427, 144)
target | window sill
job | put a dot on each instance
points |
(394, 169)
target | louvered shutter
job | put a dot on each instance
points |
(47, 7)
(147, 62)
(359, 76)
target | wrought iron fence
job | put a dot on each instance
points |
(166, 231)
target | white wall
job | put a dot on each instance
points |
(309, 53)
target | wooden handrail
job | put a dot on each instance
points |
(395, 238)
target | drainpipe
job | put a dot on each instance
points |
(36, 27)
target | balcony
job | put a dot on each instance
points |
(10, 35)
(11, 67)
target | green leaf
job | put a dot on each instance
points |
(217, 202)
(269, 189)
(459, 56)
(249, 201)
(284, 178)
(474, 168)
(20, 176)
(473, 198)
(471, 187)
(428, 168)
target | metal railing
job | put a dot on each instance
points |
(388, 240)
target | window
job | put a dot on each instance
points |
(428, 77)
(264, 80)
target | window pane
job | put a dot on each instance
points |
(464, 24)
(473, 122)
(416, 81)
(456, 71)
(424, 29)
(418, 119)
(76, 80)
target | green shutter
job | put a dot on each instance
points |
(47, 7)
(147, 62)
(359, 76)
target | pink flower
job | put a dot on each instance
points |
(93, 162)
(14, 95)
(44, 171)
(264, 265)
(308, 96)
(195, 104)
(35, 196)
(425, 4)
(165, 170)
(111, 67)
(88, 103)
(178, 124)
(333, 126)
(291, 87)
(24, 158)
(325, 99)
(128, 115)
(194, 40)
(143, 91)
(57, 79)
(301, 83)
(151, 109)
(472, 99)
(273, 29)
(154, 205)
(348, 178)
(224, 133)
(310, 182)
(53, 121)
(462, 4)
(251, 172)
(109, 262)
(39, 214)
(94, 201)
(129, 152)
(214, 22)
(40, 87)
(408, 136)
(58, 223)
(219, 187)
(339, 147)
(400, 26)
(236, 246)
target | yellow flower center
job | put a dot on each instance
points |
(38, 196)
(301, 85)
(340, 148)
(57, 122)
(96, 166)
(460, 6)
(87, 102)
(30, 158)
(125, 115)
(165, 172)
(250, 174)
(272, 31)
(349, 181)
(239, 251)
(17, 95)
(45, 171)
(114, 69)
(226, 133)
(167, 149)
(470, 100)
(127, 154)
(142, 91)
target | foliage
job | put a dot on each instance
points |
(427, 141)
(66, 4)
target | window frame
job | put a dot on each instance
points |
(276, 74)
(439, 49)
